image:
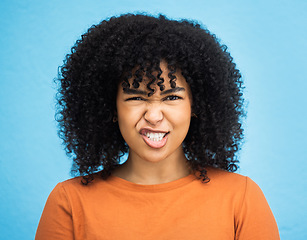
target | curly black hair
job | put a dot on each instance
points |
(104, 59)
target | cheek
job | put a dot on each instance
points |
(181, 117)
(128, 115)
(186, 116)
(183, 110)
(128, 118)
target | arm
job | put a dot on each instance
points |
(255, 220)
(56, 220)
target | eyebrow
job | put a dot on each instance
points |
(130, 91)
(134, 91)
(172, 90)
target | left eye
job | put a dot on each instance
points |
(172, 97)
(134, 99)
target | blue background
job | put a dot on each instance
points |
(267, 39)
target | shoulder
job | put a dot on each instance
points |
(219, 176)
(231, 183)
(74, 186)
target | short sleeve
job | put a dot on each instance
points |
(255, 220)
(56, 219)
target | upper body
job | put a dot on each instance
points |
(230, 206)
(168, 95)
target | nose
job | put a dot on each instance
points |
(153, 114)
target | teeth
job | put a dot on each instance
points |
(155, 136)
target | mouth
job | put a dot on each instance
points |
(154, 139)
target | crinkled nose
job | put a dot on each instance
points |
(153, 114)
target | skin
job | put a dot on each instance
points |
(167, 112)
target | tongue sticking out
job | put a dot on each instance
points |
(155, 140)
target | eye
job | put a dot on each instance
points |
(172, 98)
(135, 99)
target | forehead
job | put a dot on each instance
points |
(163, 80)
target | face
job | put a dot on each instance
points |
(154, 127)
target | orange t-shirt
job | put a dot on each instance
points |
(230, 206)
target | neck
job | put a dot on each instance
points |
(143, 172)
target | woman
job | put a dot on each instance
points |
(169, 95)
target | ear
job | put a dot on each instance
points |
(114, 119)
(194, 115)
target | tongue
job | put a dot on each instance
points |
(155, 144)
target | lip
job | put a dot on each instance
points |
(154, 144)
(143, 131)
